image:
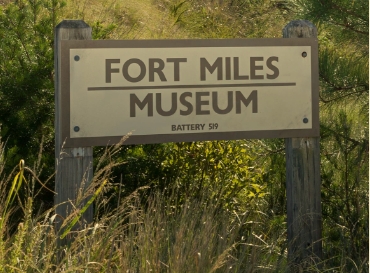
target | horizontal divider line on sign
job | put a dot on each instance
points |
(114, 88)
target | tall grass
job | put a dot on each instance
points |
(147, 231)
(150, 234)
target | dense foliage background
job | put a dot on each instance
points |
(248, 176)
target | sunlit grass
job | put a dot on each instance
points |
(142, 234)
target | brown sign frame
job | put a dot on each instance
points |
(66, 45)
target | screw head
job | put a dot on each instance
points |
(76, 129)
(77, 58)
(304, 54)
(305, 120)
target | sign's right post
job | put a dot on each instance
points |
(303, 185)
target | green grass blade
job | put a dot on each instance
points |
(17, 181)
(81, 212)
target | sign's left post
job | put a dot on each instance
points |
(74, 166)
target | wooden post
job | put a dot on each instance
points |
(303, 184)
(73, 166)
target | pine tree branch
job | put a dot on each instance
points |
(342, 88)
(19, 38)
(353, 141)
(347, 25)
(341, 10)
(340, 97)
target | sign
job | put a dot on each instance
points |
(188, 90)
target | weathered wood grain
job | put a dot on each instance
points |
(74, 169)
(303, 184)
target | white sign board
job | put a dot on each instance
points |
(187, 90)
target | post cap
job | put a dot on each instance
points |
(72, 24)
(300, 29)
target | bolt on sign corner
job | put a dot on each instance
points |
(188, 90)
